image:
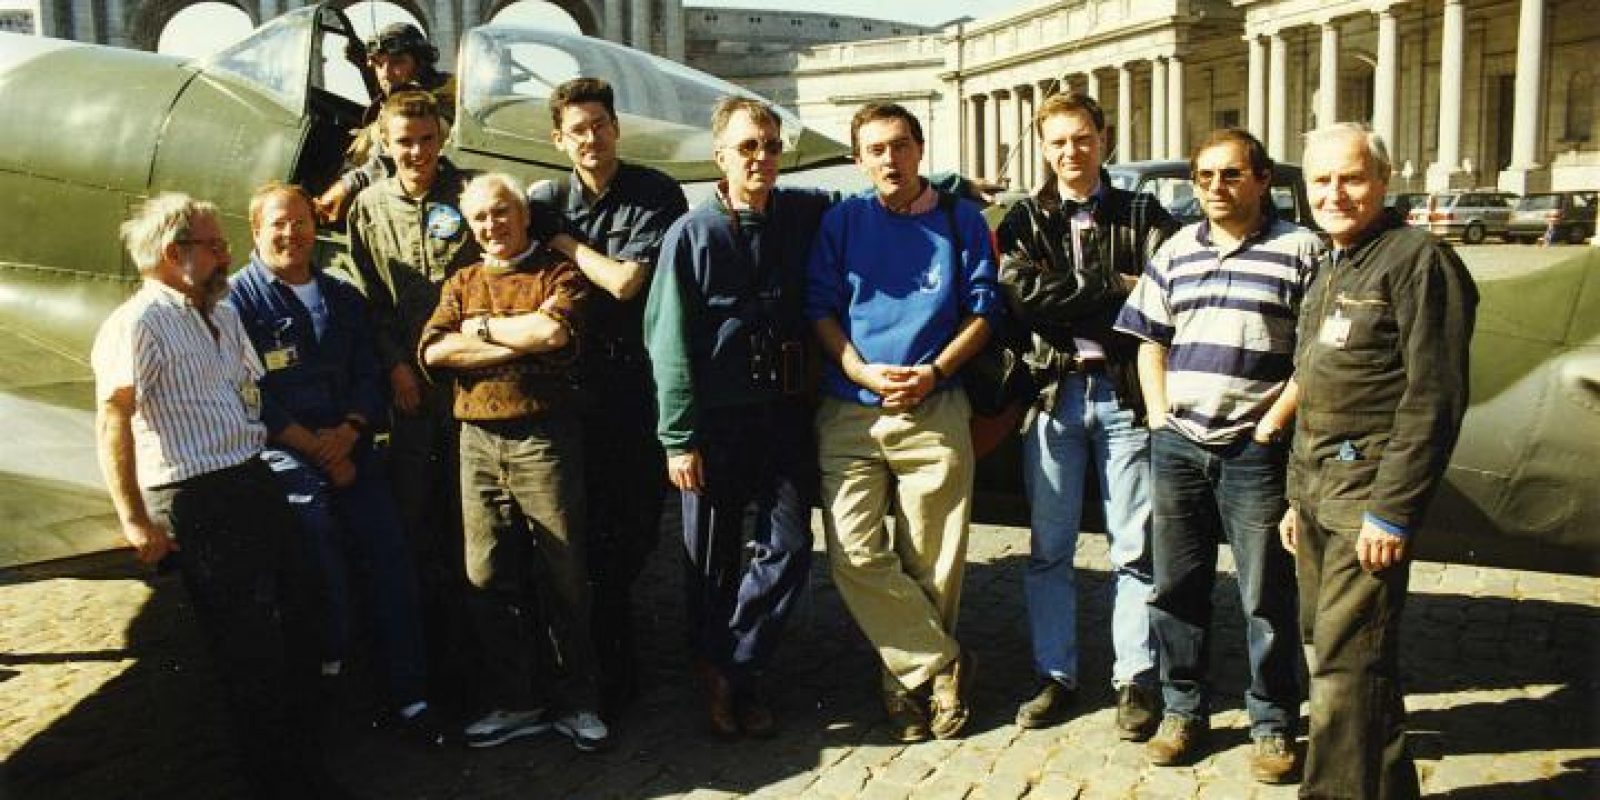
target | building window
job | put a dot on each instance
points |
(833, 23)
(1580, 106)
(1228, 118)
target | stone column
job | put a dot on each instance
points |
(611, 24)
(993, 123)
(445, 33)
(116, 23)
(1328, 76)
(265, 10)
(672, 24)
(973, 160)
(640, 39)
(1386, 79)
(1278, 97)
(1256, 100)
(85, 28)
(1452, 66)
(471, 14)
(1019, 136)
(1176, 141)
(1124, 113)
(1158, 108)
(1524, 173)
(1092, 85)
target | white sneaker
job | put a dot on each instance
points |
(586, 731)
(499, 727)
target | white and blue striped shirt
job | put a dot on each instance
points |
(196, 405)
(1227, 319)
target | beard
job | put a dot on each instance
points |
(209, 292)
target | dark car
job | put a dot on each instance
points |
(1169, 181)
(1568, 215)
(1403, 202)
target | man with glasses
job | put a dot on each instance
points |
(1069, 255)
(614, 215)
(728, 344)
(401, 58)
(1215, 312)
(179, 438)
(898, 287)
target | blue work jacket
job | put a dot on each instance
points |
(315, 383)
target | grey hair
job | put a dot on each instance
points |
(160, 221)
(1377, 150)
(485, 185)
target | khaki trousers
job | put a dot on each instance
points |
(903, 586)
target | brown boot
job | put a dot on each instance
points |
(908, 716)
(1177, 741)
(950, 704)
(1272, 759)
(755, 714)
(720, 719)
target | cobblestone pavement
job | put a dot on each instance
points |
(105, 692)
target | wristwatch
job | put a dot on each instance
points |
(356, 423)
(483, 328)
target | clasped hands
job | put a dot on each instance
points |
(900, 387)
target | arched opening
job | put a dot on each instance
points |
(202, 29)
(537, 14)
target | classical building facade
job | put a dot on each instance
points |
(1467, 92)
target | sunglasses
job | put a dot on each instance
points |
(1229, 175)
(749, 147)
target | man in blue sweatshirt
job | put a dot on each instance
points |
(898, 287)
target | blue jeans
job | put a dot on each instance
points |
(357, 530)
(1088, 426)
(1204, 496)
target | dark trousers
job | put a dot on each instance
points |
(1201, 497)
(759, 458)
(523, 512)
(254, 594)
(1352, 619)
(624, 487)
(423, 471)
(354, 531)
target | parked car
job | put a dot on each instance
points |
(1571, 214)
(1170, 182)
(1470, 216)
(1403, 202)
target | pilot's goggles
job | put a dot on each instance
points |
(750, 147)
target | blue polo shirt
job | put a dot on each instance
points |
(312, 381)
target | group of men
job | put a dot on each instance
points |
(540, 359)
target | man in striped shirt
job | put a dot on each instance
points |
(180, 434)
(1216, 311)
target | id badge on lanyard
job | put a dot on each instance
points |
(1336, 329)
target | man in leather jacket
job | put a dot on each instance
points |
(1069, 256)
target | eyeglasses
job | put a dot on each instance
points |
(1229, 175)
(749, 147)
(217, 244)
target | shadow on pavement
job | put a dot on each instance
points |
(156, 730)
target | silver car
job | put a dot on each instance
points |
(1470, 216)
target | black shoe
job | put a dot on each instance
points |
(421, 727)
(1138, 712)
(1048, 707)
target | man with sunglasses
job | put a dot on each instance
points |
(1069, 255)
(1215, 313)
(400, 58)
(614, 215)
(728, 344)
